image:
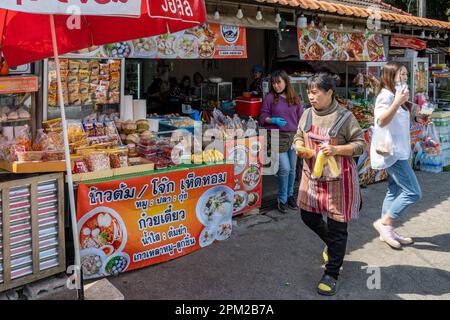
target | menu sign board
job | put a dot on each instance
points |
(246, 155)
(207, 41)
(315, 44)
(132, 223)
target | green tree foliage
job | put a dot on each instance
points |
(434, 7)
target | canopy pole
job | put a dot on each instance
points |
(73, 214)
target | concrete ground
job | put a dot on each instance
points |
(274, 256)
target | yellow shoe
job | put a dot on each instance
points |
(325, 257)
(327, 286)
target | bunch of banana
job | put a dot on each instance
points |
(208, 156)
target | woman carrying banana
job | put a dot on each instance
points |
(328, 137)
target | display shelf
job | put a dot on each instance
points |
(15, 121)
(19, 92)
(33, 167)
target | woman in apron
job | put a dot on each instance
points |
(332, 130)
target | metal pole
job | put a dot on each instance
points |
(422, 8)
(73, 213)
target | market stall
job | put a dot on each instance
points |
(94, 85)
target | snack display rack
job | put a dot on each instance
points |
(32, 244)
(90, 85)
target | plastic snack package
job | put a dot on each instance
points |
(51, 125)
(97, 161)
(40, 141)
(94, 66)
(79, 165)
(24, 137)
(119, 158)
(74, 67)
(430, 141)
(84, 65)
(114, 65)
(53, 155)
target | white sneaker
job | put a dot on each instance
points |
(403, 240)
(387, 234)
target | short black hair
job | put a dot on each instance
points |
(324, 81)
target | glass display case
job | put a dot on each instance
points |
(441, 89)
(300, 84)
(362, 80)
(417, 74)
(17, 105)
(90, 86)
(216, 93)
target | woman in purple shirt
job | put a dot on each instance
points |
(281, 110)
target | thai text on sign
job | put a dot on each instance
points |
(84, 7)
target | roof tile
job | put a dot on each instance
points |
(359, 11)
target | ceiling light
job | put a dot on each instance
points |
(278, 17)
(239, 13)
(216, 14)
(259, 15)
(302, 22)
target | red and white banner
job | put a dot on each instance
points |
(408, 42)
(82, 7)
(183, 10)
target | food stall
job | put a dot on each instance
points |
(32, 243)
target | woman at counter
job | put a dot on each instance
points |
(332, 130)
(198, 81)
(174, 97)
(154, 96)
(256, 85)
(281, 110)
(185, 86)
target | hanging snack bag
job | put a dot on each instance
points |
(114, 66)
(84, 76)
(74, 67)
(94, 67)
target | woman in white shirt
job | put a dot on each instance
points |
(403, 188)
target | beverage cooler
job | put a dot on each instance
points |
(134, 79)
(91, 86)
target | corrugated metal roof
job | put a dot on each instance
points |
(360, 9)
